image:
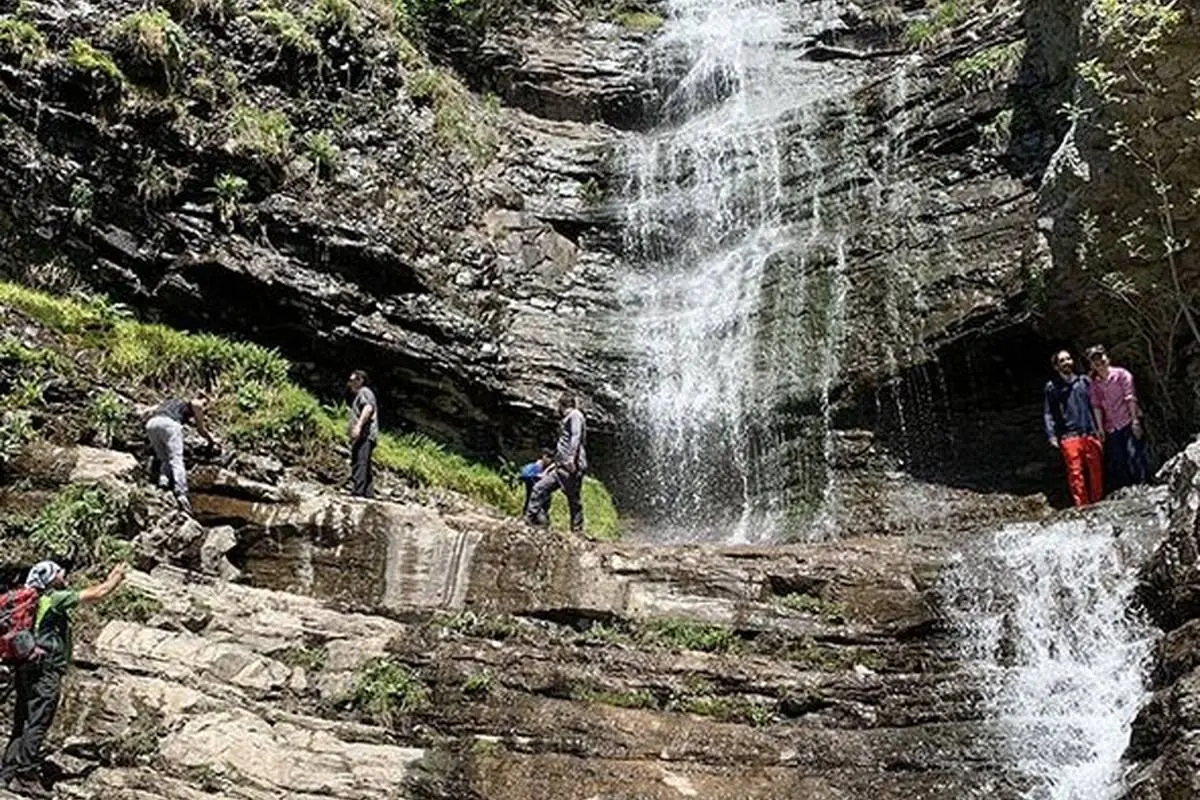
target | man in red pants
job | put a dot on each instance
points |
(1071, 428)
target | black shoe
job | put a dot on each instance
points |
(29, 787)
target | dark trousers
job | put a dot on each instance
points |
(361, 474)
(537, 510)
(1125, 462)
(37, 690)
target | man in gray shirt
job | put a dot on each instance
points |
(364, 432)
(567, 471)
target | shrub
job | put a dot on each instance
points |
(291, 32)
(82, 201)
(21, 41)
(329, 14)
(322, 152)
(82, 57)
(131, 604)
(153, 39)
(385, 688)
(458, 121)
(105, 414)
(76, 522)
(263, 133)
(157, 182)
(228, 192)
(15, 430)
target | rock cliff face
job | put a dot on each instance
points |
(478, 286)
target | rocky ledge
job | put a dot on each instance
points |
(292, 642)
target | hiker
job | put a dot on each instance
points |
(364, 432)
(567, 472)
(1115, 399)
(38, 681)
(164, 429)
(1071, 428)
(531, 472)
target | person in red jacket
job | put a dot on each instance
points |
(1072, 429)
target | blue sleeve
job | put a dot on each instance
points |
(1047, 413)
(531, 470)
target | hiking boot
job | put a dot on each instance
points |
(28, 786)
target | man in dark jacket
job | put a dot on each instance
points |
(363, 433)
(567, 471)
(1071, 428)
(39, 682)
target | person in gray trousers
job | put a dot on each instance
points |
(164, 429)
(363, 433)
(567, 471)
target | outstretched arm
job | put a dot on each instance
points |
(96, 593)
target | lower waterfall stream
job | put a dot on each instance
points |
(1046, 617)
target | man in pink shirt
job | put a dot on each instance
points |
(1115, 400)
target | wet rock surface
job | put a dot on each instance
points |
(1163, 742)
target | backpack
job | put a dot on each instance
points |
(18, 612)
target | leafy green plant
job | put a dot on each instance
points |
(623, 698)
(158, 182)
(229, 191)
(458, 120)
(82, 202)
(935, 27)
(483, 626)
(479, 683)
(335, 14)
(266, 133)
(810, 604)
(324, 154)
(385, 688)
(83, 57)
(725, 709)
(687, 635)
(75, 521)
(15, 431)
(310, 659)
(105, 415)
(27, 392)
(21, 41)
(887, 14)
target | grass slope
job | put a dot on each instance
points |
(256, 406)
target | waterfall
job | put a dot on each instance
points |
(708, 230)
(1046, 621)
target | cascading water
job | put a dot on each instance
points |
(1046, 622)
(708, 222)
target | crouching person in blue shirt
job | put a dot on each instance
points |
(531, 472)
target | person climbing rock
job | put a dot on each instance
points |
(38, 683)
(1071, 427)
(567, 471)
(164, 429)
(1114, 397)
(531, 472)
(364, 432)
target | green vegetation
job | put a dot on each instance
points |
(263, 133)
(887, 14)
(80, 523)
(385, 688)
(21, 41)
(105, 414)
(15, 431)
(228, 193)
(482, 626)
(151, 38)
(138, 743)
(291, 32)
(274, 413)
(830, 610)
(639, 20)
(323, 153)
(990, 67)
(82, 201)
(624, 698)
(935, 27)
(157, 182)
(459, 120)
(725, 708)
(479, 684)
(997, 133)
(686, 635)
(310, 659)
(82, 57)
(130, 604)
